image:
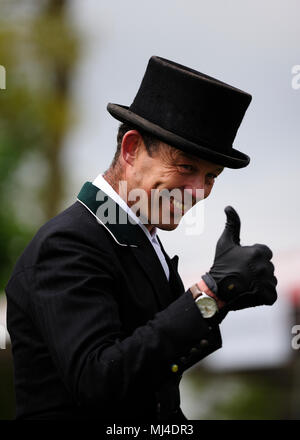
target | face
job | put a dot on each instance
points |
(173, 181)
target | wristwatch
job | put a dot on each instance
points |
(207, 305)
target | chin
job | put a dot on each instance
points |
(167, 227)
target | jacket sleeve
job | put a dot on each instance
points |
(75, 306)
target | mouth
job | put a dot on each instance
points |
(178, 205)
(169, 206)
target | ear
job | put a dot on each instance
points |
(131, 145)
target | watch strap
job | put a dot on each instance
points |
(195, 290)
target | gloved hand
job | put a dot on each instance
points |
(242, 276)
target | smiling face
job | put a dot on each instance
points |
(167, 171)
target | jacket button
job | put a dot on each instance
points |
(174, 368)
(194, 350)
(204, 343)
(183, 359)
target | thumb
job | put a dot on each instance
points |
(231, 233)
(233, 224)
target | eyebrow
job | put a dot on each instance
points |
(193, 158)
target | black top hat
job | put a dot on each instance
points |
(189, 110)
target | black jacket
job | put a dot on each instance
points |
(97, 330)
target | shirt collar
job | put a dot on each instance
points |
(125, 231)
(103, 184)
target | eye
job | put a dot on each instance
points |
(186, 167)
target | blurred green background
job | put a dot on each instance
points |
(41, 50)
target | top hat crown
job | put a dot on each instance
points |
(189, 110)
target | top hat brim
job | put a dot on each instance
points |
(237, 159)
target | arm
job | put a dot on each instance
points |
(76, 308)
(204, 288)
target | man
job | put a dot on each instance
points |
(100, 323)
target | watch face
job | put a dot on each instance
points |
(207, 306)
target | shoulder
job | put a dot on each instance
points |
(73, 230)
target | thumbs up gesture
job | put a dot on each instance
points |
(241, 276)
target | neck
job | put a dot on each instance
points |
(113, 179)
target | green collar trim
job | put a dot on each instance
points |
(122, 227)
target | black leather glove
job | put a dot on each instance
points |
(242, 276)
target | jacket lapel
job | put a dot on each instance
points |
(129, 234)
(175, 281)
(148, 260)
